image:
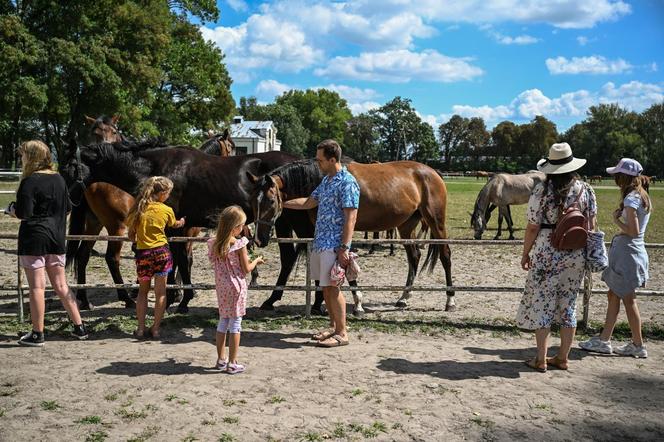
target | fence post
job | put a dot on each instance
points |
(307, 308)
(587, 291)
(20, 289)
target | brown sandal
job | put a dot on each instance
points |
(555, 362)
(536, 365)
(333, 341)
(322, 336)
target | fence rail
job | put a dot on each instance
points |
(309, 287)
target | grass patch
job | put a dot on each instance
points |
(96, 436)
(226, 437)
(544, 407)
(312, 436)
(231, 419)
(49, 405)
(651, 330)
(190, 438)
(228, 402)
(146, 434)
(113, 396)
(208, 422)
(356, 392)
(2, 412)
(484, 423)
(9, 392)
(89, 420)
(130, 414)
(339, 431)
(276, 399)
(170, 398)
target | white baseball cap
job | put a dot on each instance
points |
(627, 166)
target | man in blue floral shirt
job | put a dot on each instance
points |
(337, 198)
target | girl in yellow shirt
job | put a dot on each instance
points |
(147, 221)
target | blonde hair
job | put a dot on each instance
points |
(36, 157)
(629, 184)
(149, 190)
(230, 218)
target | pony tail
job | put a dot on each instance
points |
(150, 188)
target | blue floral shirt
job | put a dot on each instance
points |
(334, 195)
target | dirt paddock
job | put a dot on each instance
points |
(412, 374)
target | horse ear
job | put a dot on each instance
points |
(115, 119)
(252, 178)
(90, 120)
(226, 134)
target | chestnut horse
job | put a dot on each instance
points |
(397, 194)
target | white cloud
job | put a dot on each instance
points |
(238, 5)
(401, 66)
(635, 96)
(582, 40)
(365, 106)
(268, 89)
(519, 40)
(263, 41)
(653, 67)
(352, 94)
(595, 64)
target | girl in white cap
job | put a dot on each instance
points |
(628, 261)
(554, 276)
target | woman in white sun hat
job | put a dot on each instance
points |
(554, 276)
(628, 261)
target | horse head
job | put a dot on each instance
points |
(477, 222)
(74, 171)
(266, 204)
(219, 144)
(104, 129)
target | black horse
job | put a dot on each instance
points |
(203, 185)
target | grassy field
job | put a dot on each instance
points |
(463, 192)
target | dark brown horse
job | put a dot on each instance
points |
(107, 206)
(219, 144)
(204, 184)
(398, 195)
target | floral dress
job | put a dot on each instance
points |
(230, 280)
(555, 276)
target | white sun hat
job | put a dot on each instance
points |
(560, 160)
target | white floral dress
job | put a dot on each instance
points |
(555, 276)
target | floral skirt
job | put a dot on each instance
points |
(153, 262)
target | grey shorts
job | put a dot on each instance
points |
(320, 265)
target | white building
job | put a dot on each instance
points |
(254, 136)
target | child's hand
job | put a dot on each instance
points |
(260, 260)
(180, 222)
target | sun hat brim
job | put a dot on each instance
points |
(553, 169)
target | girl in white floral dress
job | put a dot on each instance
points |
(554, 276)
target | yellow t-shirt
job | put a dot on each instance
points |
(150, 228)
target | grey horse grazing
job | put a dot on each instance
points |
(502, 191)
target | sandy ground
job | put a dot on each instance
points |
(464, 384)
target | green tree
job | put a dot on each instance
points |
(361, 139)
(452, 135)
(106, 57)
(651, 128)
(323, 113)
(535, 139)
(399, 129)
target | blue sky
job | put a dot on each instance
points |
(502, 60)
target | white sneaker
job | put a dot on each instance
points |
(596, 345)
(632, 350)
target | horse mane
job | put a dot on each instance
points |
(482, 201)
(300, 178)
(141, 145)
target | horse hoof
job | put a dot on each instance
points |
(401, 304)
(318, 311)
(182, 309)
(266, 307)
(85, 306)
(358, 313)
(450, 308)
(129, 303)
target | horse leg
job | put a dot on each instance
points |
(500, 222)
(112, 257)
(373, 247)
(391, 235)
(82, 257)
(446, 261)
(180, 256)
(510, 223)
(358, 311)
(413, 255)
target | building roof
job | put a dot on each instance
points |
(249, 129)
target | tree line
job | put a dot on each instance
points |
(148, 63)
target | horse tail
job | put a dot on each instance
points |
(435, 199)
(76, 227)
(433, 254)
